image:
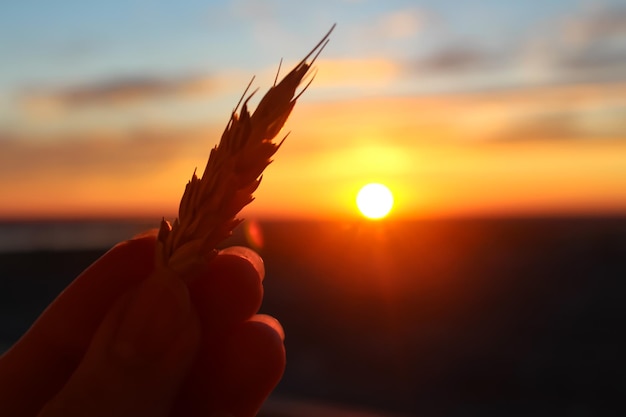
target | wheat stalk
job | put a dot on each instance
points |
(210, 204)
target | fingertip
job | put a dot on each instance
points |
(252, 368)
(248, 255)
(230, 289)
(271, 322)
(235, 375)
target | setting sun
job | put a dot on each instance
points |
(374, 201)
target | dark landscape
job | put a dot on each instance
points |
(507, 317)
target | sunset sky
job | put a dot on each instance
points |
(479, 107)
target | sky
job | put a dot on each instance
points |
(473, 108)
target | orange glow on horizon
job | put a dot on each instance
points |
(497, 179)
(473, 164)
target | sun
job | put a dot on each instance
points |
(374, 201)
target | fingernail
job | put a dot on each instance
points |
(154, 317)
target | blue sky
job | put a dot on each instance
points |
(53, 43)
(83, 82)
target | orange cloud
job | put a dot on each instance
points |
(101, 173)
(365, 73)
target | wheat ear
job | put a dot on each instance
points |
(210, 204)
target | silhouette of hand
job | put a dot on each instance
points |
(120, 342)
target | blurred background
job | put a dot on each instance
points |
(494, 285)
(478, 108)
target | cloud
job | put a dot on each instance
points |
(594, 40)
(585, 46)
(563, 113)
(564, 124)
(589, 26)
(117, 91)
(390, 33)
(400, 24)
(142, 171)
(566, 113)
(593, 60)
(113, 154)
(365, 73)
(454, 58)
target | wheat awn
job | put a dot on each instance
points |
(210, 204)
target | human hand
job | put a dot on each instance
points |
(116, 343)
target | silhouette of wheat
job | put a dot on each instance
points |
(210, 204)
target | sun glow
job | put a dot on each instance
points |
(374, 201)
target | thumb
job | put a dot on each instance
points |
(138, 357)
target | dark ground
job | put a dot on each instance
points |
(430, 318)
